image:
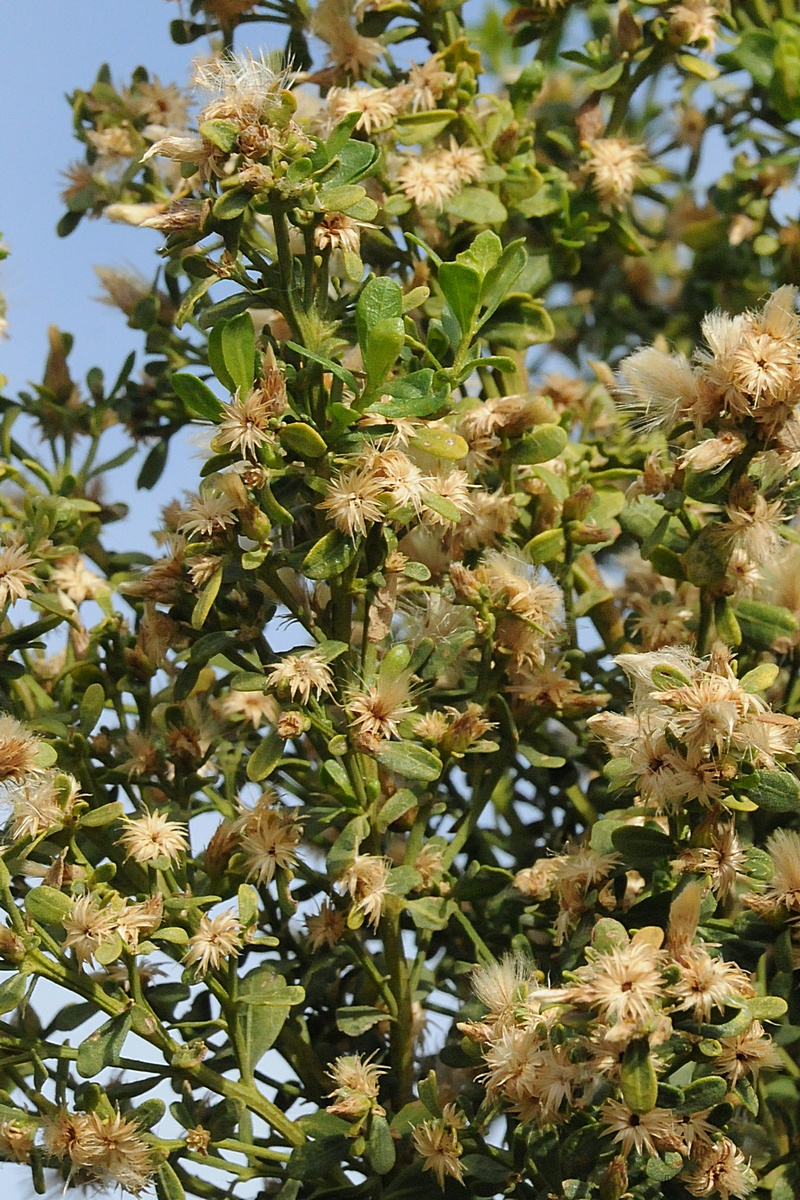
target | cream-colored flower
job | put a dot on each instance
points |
(427, 179)
(18, 749)
(438, 1146)
(747, 1053)
(108, 1151)
(623, 984)
(337, 231)
(245, 424)
(16, 575)
(217, 938)
(270, 837)
(366, 879)
(357, 1083)
(301, 675)
(335, 24)
(467, 163)
(87, 927)
(153, 836)
(208, 513)
(376, 711)
(425, 85)
(502, 986)
(614, 166)
(640, 1132)
(76, 580)
(706, 982)
(41, 802)
(352, 501)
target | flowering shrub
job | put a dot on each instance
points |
(422, 817)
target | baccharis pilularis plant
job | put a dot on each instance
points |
(423, 816)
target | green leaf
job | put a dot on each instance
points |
(103, 1047)
(345, 848)
(248, 681)
(441, 505)
(501, 278)
(222, 134)
(423, 126)
(215, 359)
(380, 1146)
(461, 286)
(396, 807)
(331, 555)
(767, 1008)
(409, 760)
(12, 992)
(430, 912)
(775, 791)
(238, 343)
(642, 845)
(340, 198)
(358, 1018)
(347, 377)
(168, 1185)
(477, 205)
(785, 88)
(441, 443)
(96, 818)
(601, 81)
(381, 299)
(487, 1170)
(546, 546)
(760, 678)
(763, 624)
(198, 398)
(47, 905)
(205, 601)
(232, 203)
(354, 161)
(265, 758)
(230, 306)
(660, 1169)
(92, 704)
(706, 1092)
(483, 253)
(264, 1002)
(313, 1160)
(698, 66)
(542, 444)
(384, 343)
(247, 899)
(638, 1079)
(302, 440)
(429, 1094)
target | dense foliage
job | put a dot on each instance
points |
(422, 818)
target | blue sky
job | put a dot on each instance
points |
(53, 47)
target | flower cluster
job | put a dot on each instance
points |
(695, 730)
(622, 1031)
